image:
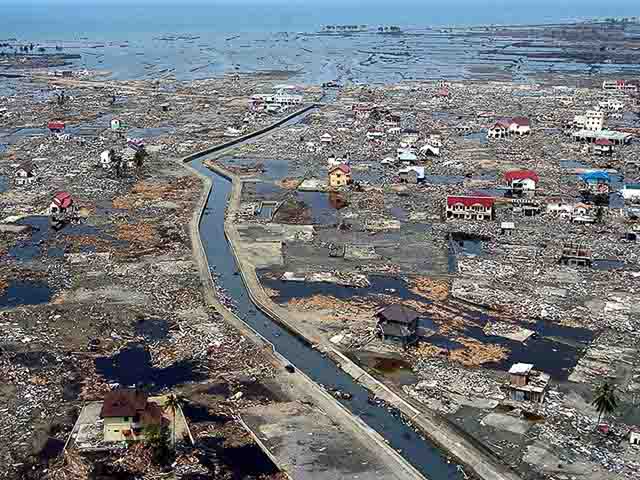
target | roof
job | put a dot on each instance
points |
(152, 414)
(521, 175)
(55, 124)
(27, 167)
(520, 368)
(631, 186)
(343, 167)
(407, 156)
(396, 330)
(63, 199)
(603, 141)
(508, 225)
(502, 124)
(595, 176)
(419, 171)
(520, 121)
(123, 403)
(398, 313)
(469, 201)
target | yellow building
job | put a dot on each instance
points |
(126, 413)
(340, 176)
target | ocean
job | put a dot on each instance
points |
(185, 42)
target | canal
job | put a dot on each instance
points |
(421, 453)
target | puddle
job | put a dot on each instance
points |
(21, 292)
(379, 285)
(42, 234)
(151, 329)
(317, 208)
(467, 243)
(246, 461)
(607, 265)
(444, 179)
(480, 137)
(132, 367)
(150, 132)
(35, 360)
(273, 169)
(572, 164)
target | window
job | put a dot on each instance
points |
(116, 431)
(126, 419)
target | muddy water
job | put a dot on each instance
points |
(425, 456)
(23, 292)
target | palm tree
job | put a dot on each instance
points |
(605, 400)
(173, 404)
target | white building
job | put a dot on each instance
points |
(611, 105)
(621, 85)
(106, 159)
(25, 174)
(326, 139)
(520, 125)
(593, 120)
(631, 191)
(116, 124)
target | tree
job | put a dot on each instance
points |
(173, 404)
(138, 158)
(605, 400)
(156, 437)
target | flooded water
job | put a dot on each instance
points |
(379, 285)
(150, 132)
(425, 456)
(152, 329)
(42, 235)
(132, 366)
(24, 292)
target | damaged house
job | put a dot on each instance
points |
(126, 413)
(25, 174)
(398, 324)
(527, 384)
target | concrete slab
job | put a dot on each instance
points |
(507, 422)
(307, 444)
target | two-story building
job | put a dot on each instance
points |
(398, 324)
(527, 384)
(340, 176)
(522, 181)
(25, 174)
(126, 413)
(461, 207)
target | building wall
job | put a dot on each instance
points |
(338, 179)
(114, 426)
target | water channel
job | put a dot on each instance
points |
(422, 454)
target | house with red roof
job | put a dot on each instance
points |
(56, 126)
(126, 412)
(522, 181)
(62, 204)
(603, 146)
(340, 176)
(520, 126)
(499, 130)
(469, 207)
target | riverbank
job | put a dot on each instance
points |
(481, 463)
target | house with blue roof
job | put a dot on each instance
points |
(597, 181)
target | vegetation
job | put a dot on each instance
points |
(173, 404)
(157, 439)
(605, 400)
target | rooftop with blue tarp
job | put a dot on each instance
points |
(595, 177)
